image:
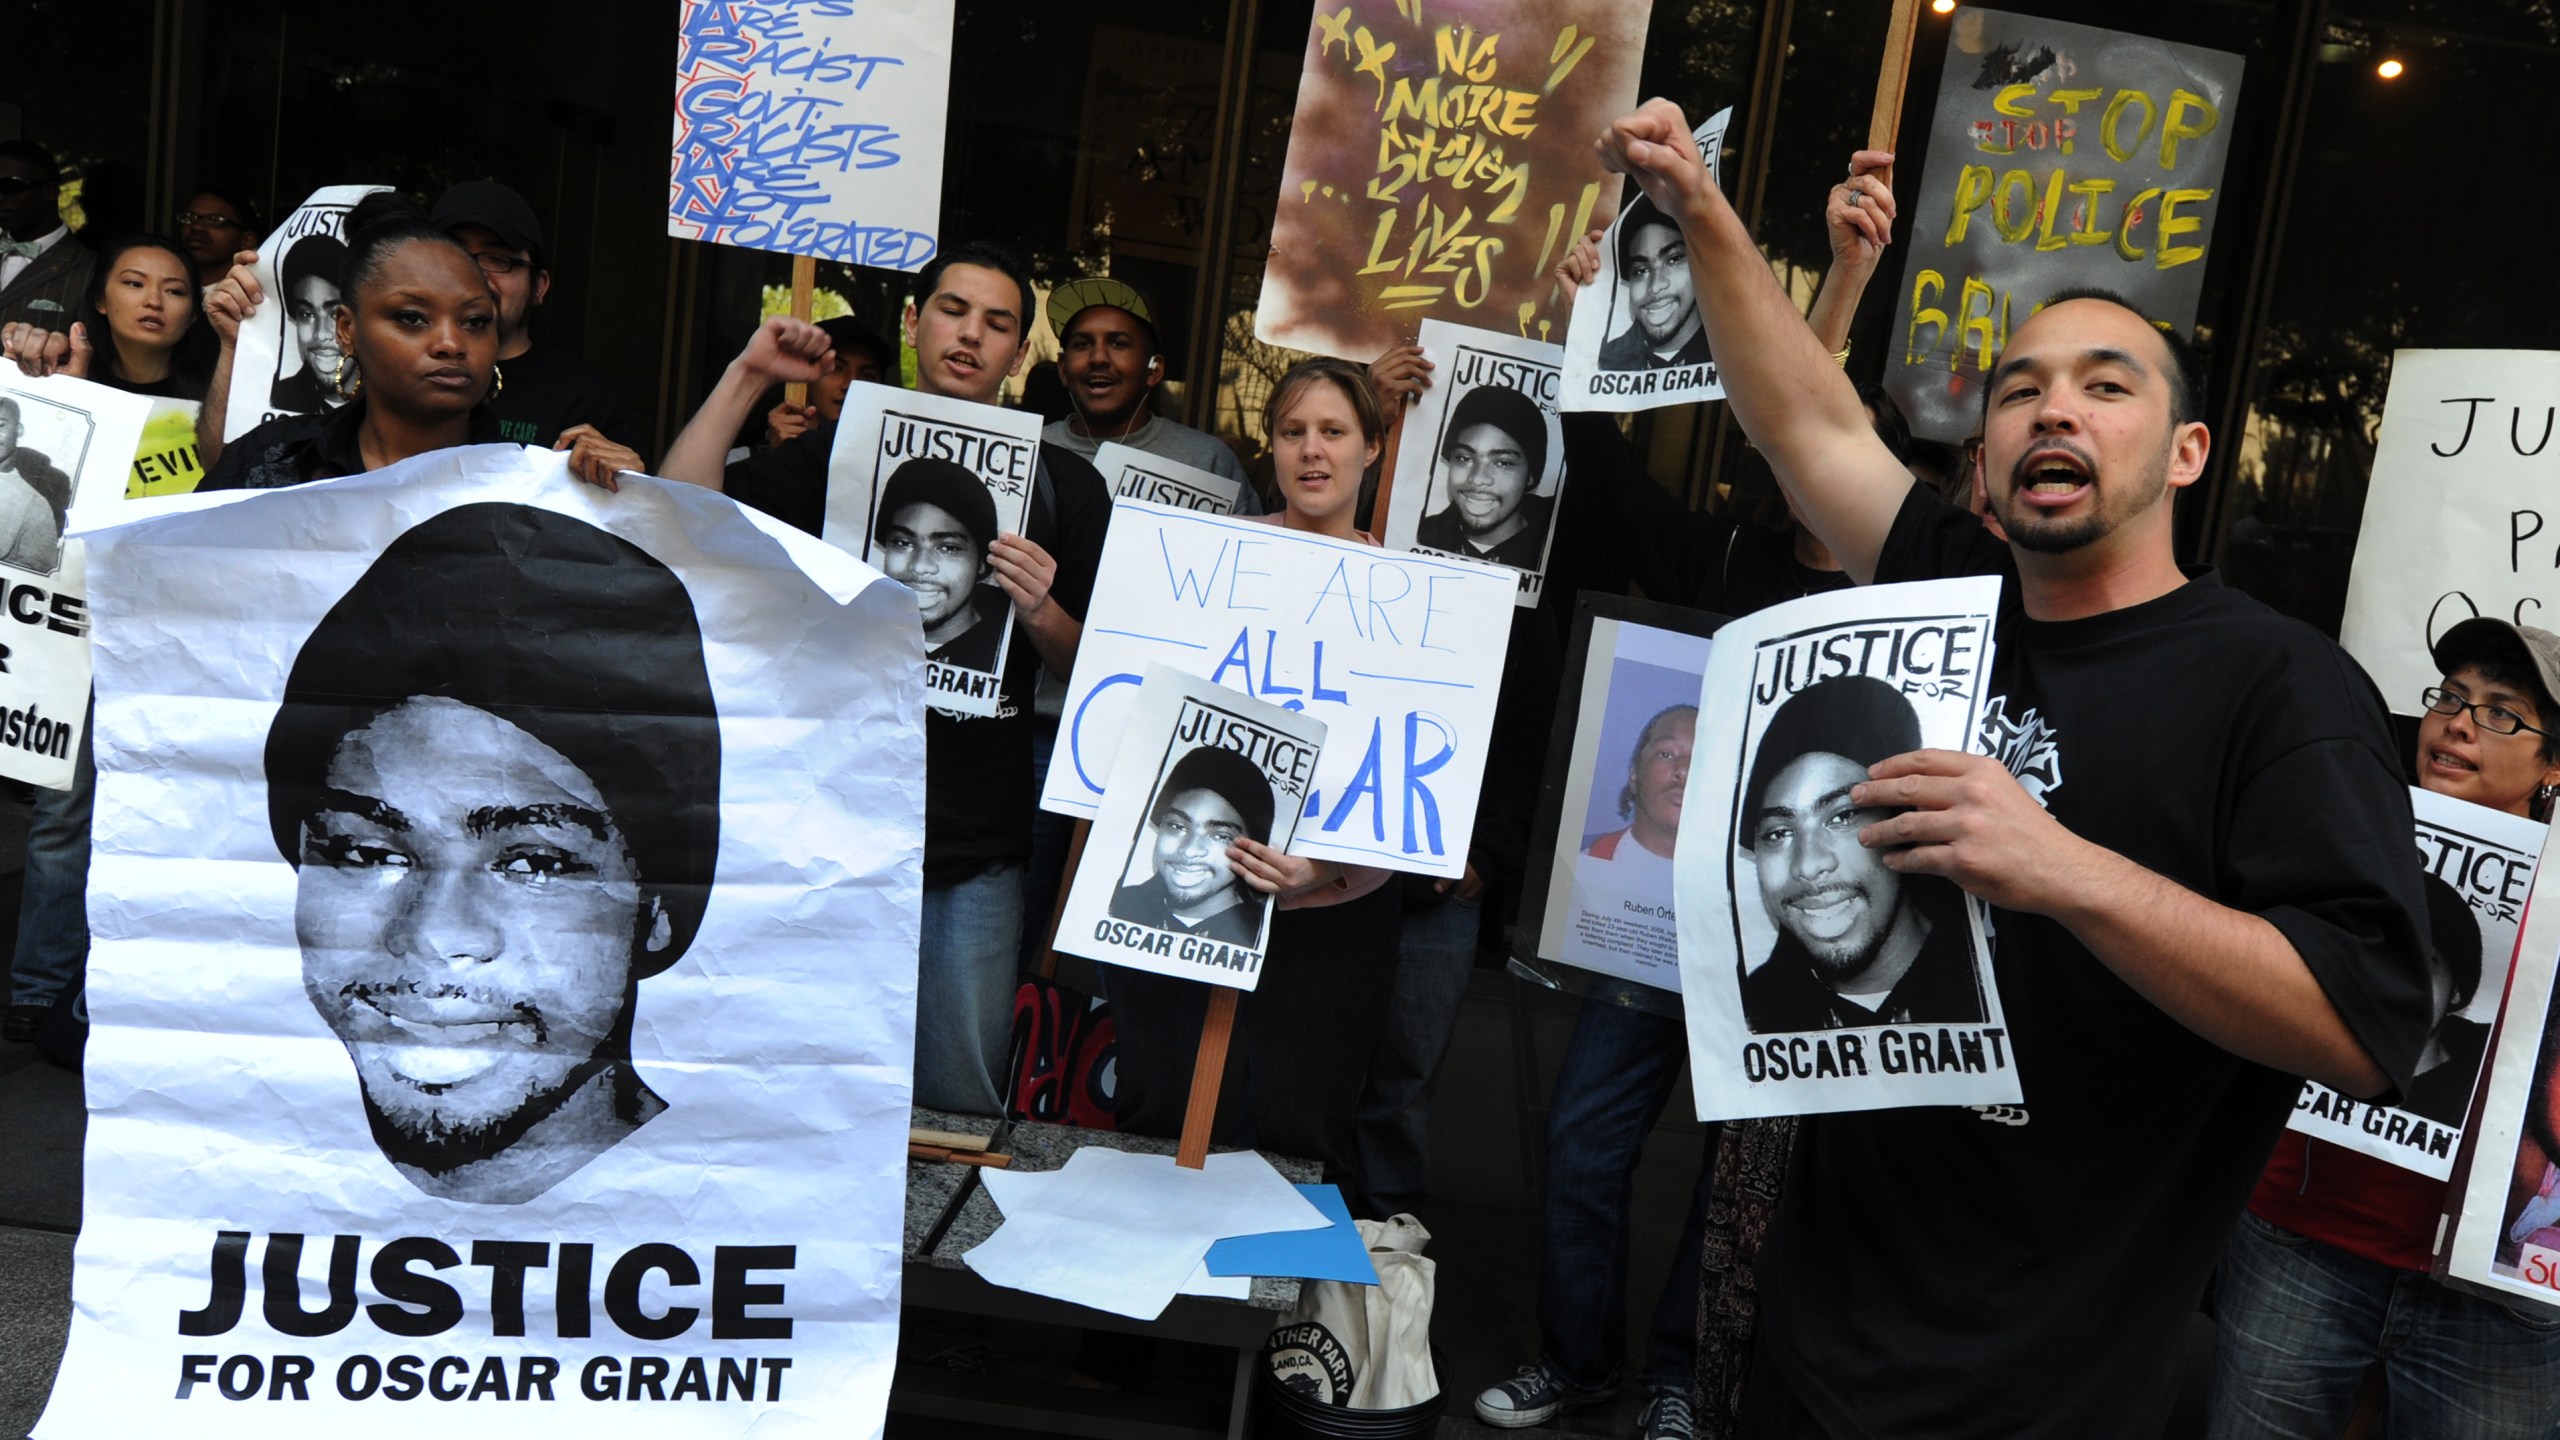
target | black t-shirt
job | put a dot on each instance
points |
(977, 793)
(293, 449)
(549, 390)
(1981, 1272)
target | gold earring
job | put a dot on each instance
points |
(497, 382)
(338, 379)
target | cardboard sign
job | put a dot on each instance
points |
(1599, 893)
(1481, 474)
(1637, 340)
(1199, 766)
(2479, 864)
(2503, 1210)
(920, 485)
(1135, 474)
(65, 446)
(1400, 656)
(1815, 978)
(812, 129)
(1440, 163)
(2060, 155)
(504, 962)
(288, 361)
(2459, 519)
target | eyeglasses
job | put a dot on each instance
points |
(2496, 719)
(210, 219)
(493, 263)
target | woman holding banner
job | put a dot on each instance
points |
(1303, 1036)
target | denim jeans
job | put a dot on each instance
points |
(1433, 962)
(53, 913)
(964, 990)
(2299, 1322)
(1618, 1073)
(1051, 835)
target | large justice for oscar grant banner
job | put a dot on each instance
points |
(503, 983)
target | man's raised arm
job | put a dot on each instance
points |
(1793, 402)
(781, 351)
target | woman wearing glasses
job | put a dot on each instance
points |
(2325, 1277)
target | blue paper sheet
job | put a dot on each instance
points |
(1333, 1253)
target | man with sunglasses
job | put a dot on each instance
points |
(544, 390)
(44, 270)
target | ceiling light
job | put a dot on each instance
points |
(2389, 69)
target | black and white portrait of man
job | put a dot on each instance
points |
(1491, 484)
(311, 372)
(1209, 799)
(1662, 301)
(35, 494)
(496, 770)
(936, 522)
(1858, 944)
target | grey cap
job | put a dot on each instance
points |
(2465, 643)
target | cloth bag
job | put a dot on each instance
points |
(1367, 1347)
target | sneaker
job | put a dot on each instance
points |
(1666, 1417)
(1535, 1396)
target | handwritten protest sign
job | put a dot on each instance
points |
(920, 485)
(2504, 1207)
(2479, 865)
(1198, 767)
(2060, 155)
(1481, 474)
(65, 446)
(289, 361)
(812, 129)
(1815, 978)
(1399, 655)
(631, 1126)
(1637, 341)
(1599, 893)
(2460, 519)
(1135, 474)
(1440, 164)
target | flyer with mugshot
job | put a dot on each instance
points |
(504, 965)
(66, 446)
(1816, 978)
(920, 485)
(1199, 767)
(289, 361)
(1482, 469)
(1135, 474)
(1636, 340)
(2479, 866)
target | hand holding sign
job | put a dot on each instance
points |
(1965, 817)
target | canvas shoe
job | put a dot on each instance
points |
(1533, 1397)
(1666, 1417)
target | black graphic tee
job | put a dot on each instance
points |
(977, 784)
(549, 390)
(1946, 1272)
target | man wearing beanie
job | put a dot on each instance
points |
(1492, 460)
(1211, 799)
(936, 522)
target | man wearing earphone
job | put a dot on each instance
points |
(1111, 363)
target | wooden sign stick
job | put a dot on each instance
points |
(1387, 471)
(1892, 78)
(1206, 1074)
(804, 284)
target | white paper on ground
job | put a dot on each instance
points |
(1122, 1233)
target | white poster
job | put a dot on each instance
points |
(1199, 767)
(2504, 1207)
(504, 965)
(1399, 655)
(1815, 978)
(1135, 474)
(288, 361)
(1636, 340)
(2479, 865)
(65, 448)
(920, 485)
(812, 129)
(1483, 468)
(2459, 519)
(1608, 905)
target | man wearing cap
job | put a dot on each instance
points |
(1493, 465)
(936, 522)
(1211, 799)
(1857, 943)
(1112, 364)
(542, 390)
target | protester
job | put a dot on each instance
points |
(44, 271)
(2207, 892)
(217, 225)
(133, 328)
(1303, 1035)
(966, 329)
(419, 330)
(860, 358)
(2326, 1277)
(544, 391)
